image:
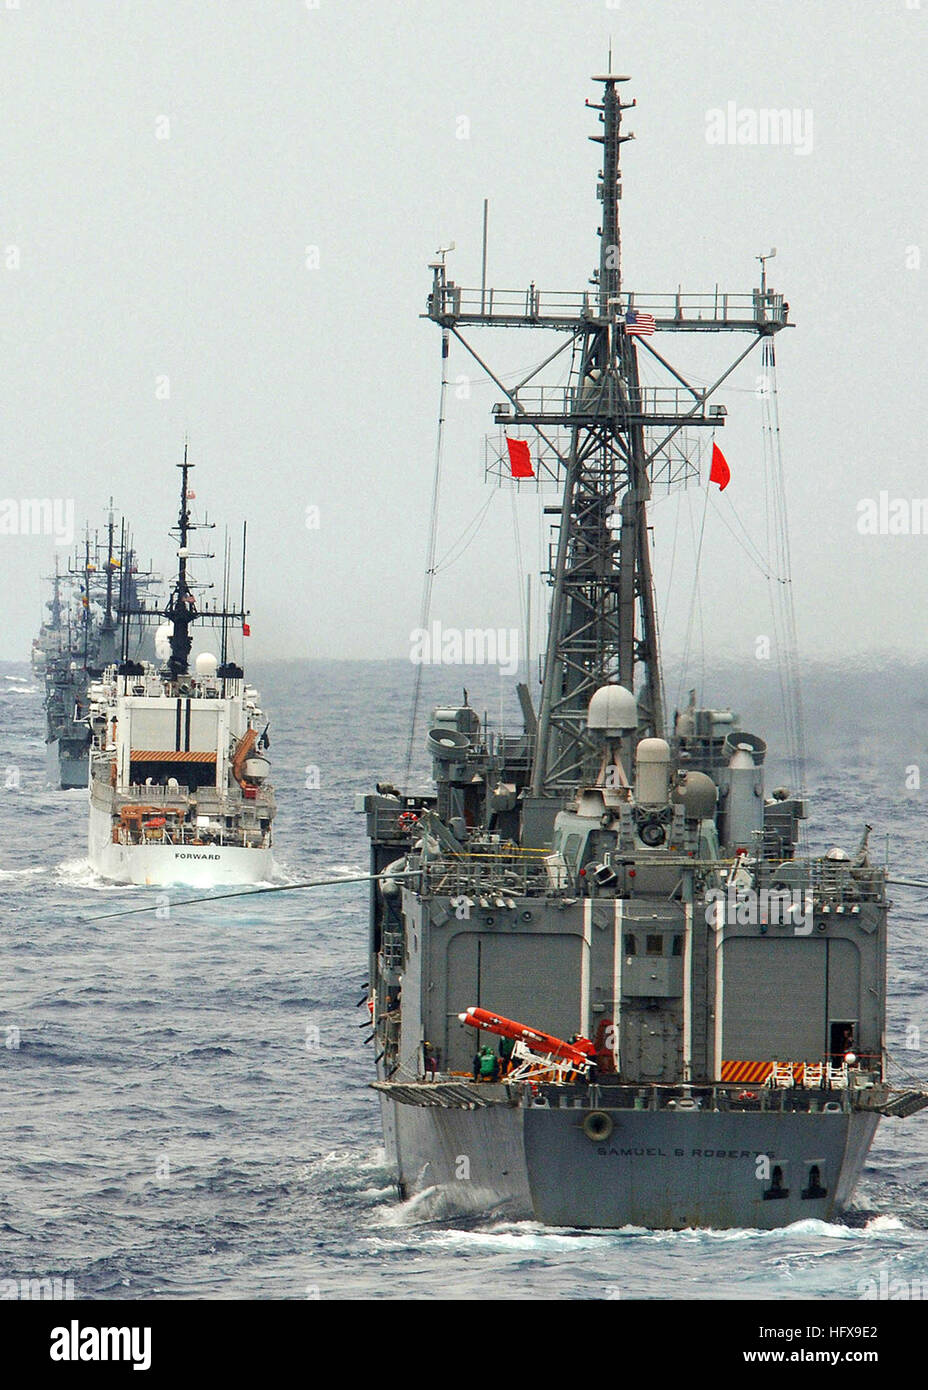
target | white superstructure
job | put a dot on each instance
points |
(178, 777)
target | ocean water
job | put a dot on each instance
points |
(172, 1129)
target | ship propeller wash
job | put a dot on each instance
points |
(179, 789)
(581, 893)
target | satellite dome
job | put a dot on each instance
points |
(206, 664)
(698, 794)
(612, 711)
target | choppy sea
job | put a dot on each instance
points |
(171, 1129)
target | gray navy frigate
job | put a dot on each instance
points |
(83, 634)
(678, 1016)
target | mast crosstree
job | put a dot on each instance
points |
(603, 620)
(181, 610)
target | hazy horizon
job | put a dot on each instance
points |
(239, 209)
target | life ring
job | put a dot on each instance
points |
(407, 820)
(597, 1126)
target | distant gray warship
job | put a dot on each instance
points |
(83, 635)
(678, 1018)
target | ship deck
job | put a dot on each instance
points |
(458, 1093)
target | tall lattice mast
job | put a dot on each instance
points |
(182, 610)
(608, 435)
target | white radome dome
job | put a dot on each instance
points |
(613, 710)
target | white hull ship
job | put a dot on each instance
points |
(179, 789)
(199, 813)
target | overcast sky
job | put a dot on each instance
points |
(167, 164)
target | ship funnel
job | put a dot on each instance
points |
(652, 772)
(742, 789)
(612, 712)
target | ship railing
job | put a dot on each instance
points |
(227, 802)
(549, 307)
(838, 883)
(515, 869)
(611, 1094)
(393, 950)
(513, 748)
(842, 884)
(156, 792)
(185, 835)
(717, 306)
(493, 875)
(531, 303)
(385, 823)
(604, 398)
(830, 1074)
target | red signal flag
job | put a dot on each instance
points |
(520, 460)
(246, 630)
(719, 471)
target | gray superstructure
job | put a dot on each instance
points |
(617, 879)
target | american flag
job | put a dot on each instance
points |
(638, 324)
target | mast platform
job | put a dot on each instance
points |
(588, 405)
(451, 305)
